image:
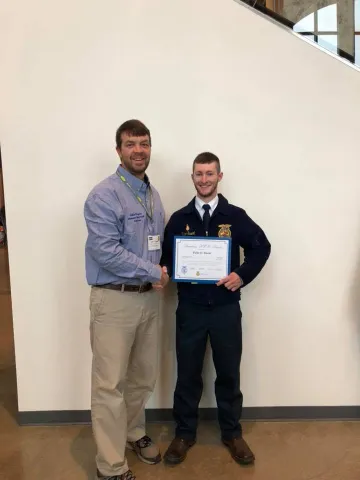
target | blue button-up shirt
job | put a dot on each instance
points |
(118, 228)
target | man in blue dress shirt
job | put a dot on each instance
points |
(125, 221)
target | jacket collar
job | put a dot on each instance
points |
(222, 207)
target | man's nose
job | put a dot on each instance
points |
(138, 148)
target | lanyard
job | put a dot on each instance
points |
(138, 198)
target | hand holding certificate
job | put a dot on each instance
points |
(201, 259)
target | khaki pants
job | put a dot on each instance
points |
(124, 341)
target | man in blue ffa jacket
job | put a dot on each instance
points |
(212, 310)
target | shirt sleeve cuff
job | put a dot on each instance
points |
(154, 274)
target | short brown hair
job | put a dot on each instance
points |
(207, 157)
(134, 128)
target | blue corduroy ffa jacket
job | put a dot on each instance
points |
(226, 221)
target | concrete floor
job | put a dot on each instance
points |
(284, 451)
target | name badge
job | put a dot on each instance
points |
(153, 242)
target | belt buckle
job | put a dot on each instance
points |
(122, 288)
(141, 289)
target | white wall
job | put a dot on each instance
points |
(205, 75)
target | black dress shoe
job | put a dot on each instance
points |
(178, 448)
(240, 451)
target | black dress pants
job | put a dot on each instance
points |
(194, 325)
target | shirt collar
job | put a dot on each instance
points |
(135, 183)
(223, 206)
(213, 203)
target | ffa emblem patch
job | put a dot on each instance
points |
(224, 230)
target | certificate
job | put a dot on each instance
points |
(201, 259)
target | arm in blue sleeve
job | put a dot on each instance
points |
(104, 244)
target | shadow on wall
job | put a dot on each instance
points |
(354, 302)
(73, 320)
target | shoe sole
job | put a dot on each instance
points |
(98, 478)
(153, 461)
(177, 461)
(245, 463)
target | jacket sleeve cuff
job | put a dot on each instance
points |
(244, 281)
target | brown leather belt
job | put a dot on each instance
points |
(122, 287)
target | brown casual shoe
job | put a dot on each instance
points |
(240, 451)
(178, 448)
